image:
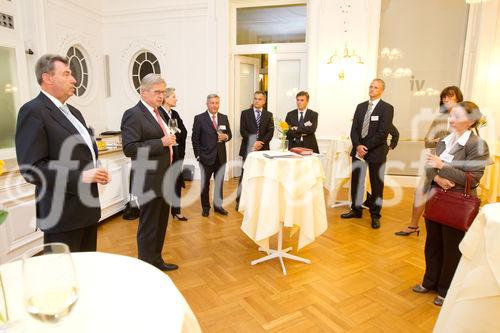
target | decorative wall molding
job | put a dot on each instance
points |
(77, 7)
(128, 53)
(182, 11)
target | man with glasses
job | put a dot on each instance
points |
(148, 142)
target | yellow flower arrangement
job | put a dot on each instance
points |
(282, 127)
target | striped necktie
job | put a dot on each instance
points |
(366, 121)
(257, 120)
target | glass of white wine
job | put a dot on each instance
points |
(50, 286)
(172, 125)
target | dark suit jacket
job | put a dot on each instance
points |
(204, 137)
(474, 156)
(140, 130)
(393, 131)
(248, 130)
(180, 149)
(376, 139)
(42, 130)
(309, 138)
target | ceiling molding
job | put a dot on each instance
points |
(160, 14)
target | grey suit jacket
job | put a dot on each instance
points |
(474, 156)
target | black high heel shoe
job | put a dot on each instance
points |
(179, 217)
(408, 233)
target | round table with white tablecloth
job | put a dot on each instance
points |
(473, 300)
(116, 294)
(279, 189)
(337, 169)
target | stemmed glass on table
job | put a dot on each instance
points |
(50, 286)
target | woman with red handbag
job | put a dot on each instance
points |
(439, 129)
(457, 154)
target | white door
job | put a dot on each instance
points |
(287, 76)
(246, 82)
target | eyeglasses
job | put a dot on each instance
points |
(159, 92)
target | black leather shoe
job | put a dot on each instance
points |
(220, 210)
(375, 223)
(166, 267)
(205, 211)
(179, 217)
(351, 215)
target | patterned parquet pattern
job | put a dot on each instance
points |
(359, 280)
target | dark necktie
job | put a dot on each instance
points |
(301, 119)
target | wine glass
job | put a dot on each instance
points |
(172, 125)
(220, 129)
(50, 286)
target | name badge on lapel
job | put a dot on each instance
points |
(222, 127)
(448, 158)
(374, 118)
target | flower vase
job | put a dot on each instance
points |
(283, 144)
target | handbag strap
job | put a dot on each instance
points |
(468, 183)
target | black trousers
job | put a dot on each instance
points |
(377, 171)
(207, 171)
(153, 221)
(78, 240)
(441, 256)
(175, 201)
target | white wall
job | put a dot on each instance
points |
(53, 26)
(336, 99)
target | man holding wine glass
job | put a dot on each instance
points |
(176, 126)
(211, 131)
(149, 143)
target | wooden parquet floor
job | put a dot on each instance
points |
(359, 280)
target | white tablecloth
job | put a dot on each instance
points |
(288, 190)
(473, 300)
(338, 167)
(116, 294)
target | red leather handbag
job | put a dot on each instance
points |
(454, 209)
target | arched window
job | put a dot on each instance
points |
(144, 64)
(79, 69)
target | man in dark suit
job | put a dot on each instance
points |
(169, 102)
(370, 128)
(148, 142)
(393, 131)
(56, 153)
(211, 131)
(256, 129)
(303, 123)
